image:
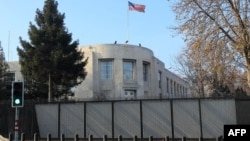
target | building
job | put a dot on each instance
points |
(127, 72)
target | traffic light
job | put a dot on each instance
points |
(17, 94)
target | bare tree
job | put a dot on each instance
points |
(212, 24)
(210, 68)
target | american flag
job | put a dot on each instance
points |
(136, 7)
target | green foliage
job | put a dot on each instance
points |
(224, 91)
(240, 93)
(221, 90)
(3, 70)
(51, 53)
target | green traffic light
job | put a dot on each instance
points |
(17, 101)
(17, 94)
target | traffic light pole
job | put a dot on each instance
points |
(16, 124)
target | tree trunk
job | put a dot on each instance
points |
(49, 89)
(248, 74)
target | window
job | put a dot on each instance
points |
(168, 85)
(130, 94)
(181, 90)
(145, 71)
(177, 89)
(106, 69)
(174, 88)
(159, 78)
(128, 70)
(171, 86)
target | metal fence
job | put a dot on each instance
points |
(192, 118)
(119, 138)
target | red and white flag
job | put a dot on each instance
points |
(136, 7)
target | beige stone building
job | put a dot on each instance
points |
(127, 71)
(122, 71)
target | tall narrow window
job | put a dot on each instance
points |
(177, 89)
(171, 86)
(159, 78)
(106, 69)
(128, 69)
(145, 71)
(168, 85)
(174, 88)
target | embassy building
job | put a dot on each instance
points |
(122, 71)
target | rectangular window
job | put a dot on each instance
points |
(171, 87)
(106, 69)
(129, 94)
(168, 85)
(145, 71)
(128, 69)
(174, 88)
(177, 91)
(159, 78)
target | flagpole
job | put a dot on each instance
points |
(9, 47)
(128, 24)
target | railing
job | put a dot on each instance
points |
(120, 138)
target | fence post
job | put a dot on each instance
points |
(49, 137)
(76, 137)
(141, 118)
(35, 137)
(22, 137)
(119, 138)
(10, 137)
(105, 138)
(167, 138)
(150, 138)
(62, 137)
(172, 117)
(219, 138)
(183, 138)
(113, 122)
(222, 138)
(135, 138)
(200, 138)
(90, 137)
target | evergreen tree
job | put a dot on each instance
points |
(3, 70)
(240, 93)
(50, 62)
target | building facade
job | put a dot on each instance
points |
(124, 71)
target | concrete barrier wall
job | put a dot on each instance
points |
(159, 118)
(215, 114)
(47, 117)
(242, 111)
(99, 119)
(127, 119)
(72, 119)
(156, 118)
(186, 118)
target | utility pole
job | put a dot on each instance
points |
(16, 124)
